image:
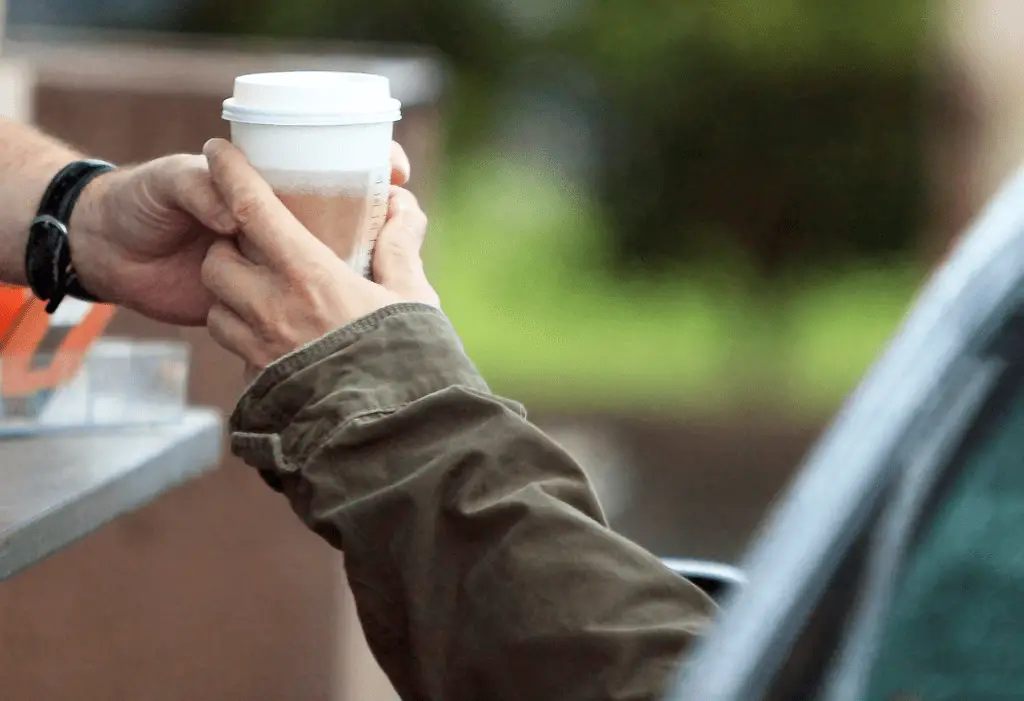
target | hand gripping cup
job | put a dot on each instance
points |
(322, 140)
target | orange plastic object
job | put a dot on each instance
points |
(40, 351)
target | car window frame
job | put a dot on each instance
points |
(939, 351)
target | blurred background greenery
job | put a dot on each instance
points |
(690, 204)
(694, 204)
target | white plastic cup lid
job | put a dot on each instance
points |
(312, 98)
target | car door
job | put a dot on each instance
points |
(813, 620)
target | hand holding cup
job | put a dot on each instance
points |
(299, 290)
(321, 140)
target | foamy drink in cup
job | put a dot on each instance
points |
(323, 142)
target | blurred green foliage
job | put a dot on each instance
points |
(788, 132)
(546, 323)
(757, 197)
(627, 40)
(768, 36)
(796, 170)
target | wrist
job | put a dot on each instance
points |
(88, 232)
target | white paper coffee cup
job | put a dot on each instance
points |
(320, 135)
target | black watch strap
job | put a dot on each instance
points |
(48, 266)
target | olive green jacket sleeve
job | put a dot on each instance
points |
(478, 555)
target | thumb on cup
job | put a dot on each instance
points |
(397, 264)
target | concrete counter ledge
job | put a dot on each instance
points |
(57, 488)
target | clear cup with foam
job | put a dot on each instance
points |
(322, 140)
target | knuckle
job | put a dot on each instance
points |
(320, 300)
(391, 247)
(291, 270)
(208, 272)
(414, 230)
(192, 171)
(223, 250)
(217, 256)
(192, 187)
(411, 215)
(404, 197)
(420, 222)
(246, 207)
(215, 322)
(184, 160)
(186, 165)
(270, 318)
(316, 279)
(197, 190)
(182, 169)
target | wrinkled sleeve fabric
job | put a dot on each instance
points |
(478, 555)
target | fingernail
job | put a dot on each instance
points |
(211, 146)
(226, 222)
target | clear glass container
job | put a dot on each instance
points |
(117, 382)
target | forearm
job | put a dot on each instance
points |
(475, 547)
(28, 161)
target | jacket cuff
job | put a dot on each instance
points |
(375, 365)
